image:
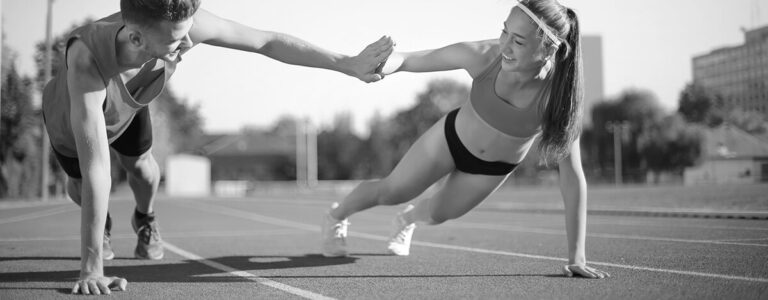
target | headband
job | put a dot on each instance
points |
(540, 23)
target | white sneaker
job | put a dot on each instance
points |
(400, 242)
(334, 235)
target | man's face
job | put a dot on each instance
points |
(165, 40)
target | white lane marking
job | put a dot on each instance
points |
(315, 228)
(597, 235)
(246, 275)
(14, 204)
(743, 240)
(630, 223)
(194, 234)
(39, 214)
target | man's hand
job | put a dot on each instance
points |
(583, 271)
(99, 285)
(366, 65)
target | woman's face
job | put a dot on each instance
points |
(520, 46)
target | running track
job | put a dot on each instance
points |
(266, 247)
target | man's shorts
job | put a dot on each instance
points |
(135, 141)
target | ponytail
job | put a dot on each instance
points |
(561, 120)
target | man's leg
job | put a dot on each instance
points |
(144, 179)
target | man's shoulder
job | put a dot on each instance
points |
(82, 63)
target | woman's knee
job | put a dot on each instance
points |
(436, 219)
(386, 194)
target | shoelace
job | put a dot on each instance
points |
(149, 232)
(340, 229)
(403, 233)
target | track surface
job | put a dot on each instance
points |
(267, 247)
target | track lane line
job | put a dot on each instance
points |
(282, 222)
(459, 224)
(39, 214)
(246, 275)
(194, 234)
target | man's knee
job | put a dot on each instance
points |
(142, 167)
(73, 189)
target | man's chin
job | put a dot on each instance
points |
(170, 58)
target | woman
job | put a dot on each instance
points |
(527, 84)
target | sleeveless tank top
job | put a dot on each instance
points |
(493, 129)
(121, 103)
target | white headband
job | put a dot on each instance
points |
(540, 23)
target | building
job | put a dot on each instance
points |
(739, 73)
(250, 156)
(729, 155)
(592, 56)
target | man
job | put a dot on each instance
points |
(113, 69)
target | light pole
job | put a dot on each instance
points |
(306, 153)
(1, 64)
(617, 128)
(44, 134)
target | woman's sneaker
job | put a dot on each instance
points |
(334, 236)
(149, 244)
(400, 241)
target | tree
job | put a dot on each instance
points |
(749, 121)
(670, 145)
(638, 109)
(19, 135)
(338, 150)
(700, 105)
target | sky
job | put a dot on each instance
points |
(646, 44)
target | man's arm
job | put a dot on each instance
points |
(213, 30)
(87, 94)
(573, 187)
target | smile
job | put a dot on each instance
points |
(506, 57)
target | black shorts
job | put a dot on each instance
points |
(466, 161)
(135, 140)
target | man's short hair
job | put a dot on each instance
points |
(149, 12)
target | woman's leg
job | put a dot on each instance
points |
(460, 193)
(425, 162)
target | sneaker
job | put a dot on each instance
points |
(400, 242)
(334, 235)
(149, 245)
(106, 246)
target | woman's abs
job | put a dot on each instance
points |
(488, 143)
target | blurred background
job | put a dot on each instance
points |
(676, 96)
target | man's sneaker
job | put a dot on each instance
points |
(149, 245)
(400, 241)
(334, 235)
(106, 246)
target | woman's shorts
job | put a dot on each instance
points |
(467, 162)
